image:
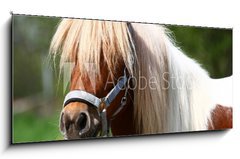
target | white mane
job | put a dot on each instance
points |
(189, 104)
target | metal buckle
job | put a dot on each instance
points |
(123, 100)
(102, 105)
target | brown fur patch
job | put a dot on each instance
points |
(221, 118)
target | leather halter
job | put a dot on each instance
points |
(101, 104)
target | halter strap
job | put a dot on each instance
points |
(83, 96)
(115, 91)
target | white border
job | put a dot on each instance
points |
(185, 12)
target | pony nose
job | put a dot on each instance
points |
(82, 121)
(74, 121)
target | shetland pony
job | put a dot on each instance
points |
(165, 92)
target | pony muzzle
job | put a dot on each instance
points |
(74, 124)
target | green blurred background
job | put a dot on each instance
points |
(37, 94)
(211, 47)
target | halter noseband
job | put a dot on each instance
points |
(101, 104)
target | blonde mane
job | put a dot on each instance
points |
(82, 41)
(147, 51)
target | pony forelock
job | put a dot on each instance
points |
(92, 41)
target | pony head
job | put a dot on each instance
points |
(99, 52)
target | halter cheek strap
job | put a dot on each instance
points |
(100, 103)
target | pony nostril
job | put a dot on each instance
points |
(82, 121)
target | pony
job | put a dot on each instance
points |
(137, 81)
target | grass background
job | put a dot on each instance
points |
(30, 127)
